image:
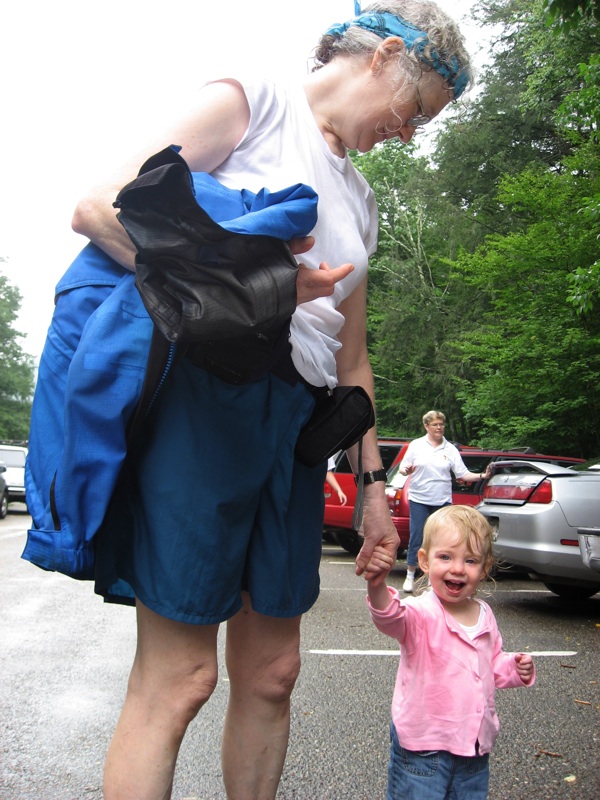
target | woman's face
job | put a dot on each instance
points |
(381, 116)
(435, 429)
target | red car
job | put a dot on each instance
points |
(337, 523)
(476, 460)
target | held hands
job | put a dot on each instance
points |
(313, 283)
(378, 567)
(381, 562)
(524, 664)
(380, 533)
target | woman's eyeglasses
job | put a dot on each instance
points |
(420, 117)
(415, 122)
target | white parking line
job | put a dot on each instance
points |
(10, 532)
(559, 653)
(537, 653)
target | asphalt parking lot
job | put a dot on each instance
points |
(65, 657)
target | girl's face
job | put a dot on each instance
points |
(454, 571)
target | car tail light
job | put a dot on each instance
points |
(520, 488)
(394, 499)
(543, 493)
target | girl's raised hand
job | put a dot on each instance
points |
(524, 666)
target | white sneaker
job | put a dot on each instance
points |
(409, 582)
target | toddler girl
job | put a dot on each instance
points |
(444, 720)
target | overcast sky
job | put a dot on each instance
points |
(83, 81)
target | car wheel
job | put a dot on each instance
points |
(4, 505)
(349, 540)
(568, 592)
(329, 536)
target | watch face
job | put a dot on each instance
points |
(375, 475)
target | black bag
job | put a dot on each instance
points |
(340, 419)
(228, 296)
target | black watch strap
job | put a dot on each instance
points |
(373, 476)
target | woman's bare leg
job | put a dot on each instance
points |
(173, 675)
(263, 662)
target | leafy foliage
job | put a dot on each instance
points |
(569, 13)
(16, 369)
(484, 295)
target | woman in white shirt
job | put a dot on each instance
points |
(430, 461)
(225, 551)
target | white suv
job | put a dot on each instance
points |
(13, 458)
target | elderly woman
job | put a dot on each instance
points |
(249, 553)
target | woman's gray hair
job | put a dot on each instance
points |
(443, 34)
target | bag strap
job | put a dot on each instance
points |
(359, 503)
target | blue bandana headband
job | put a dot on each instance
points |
(385, 25)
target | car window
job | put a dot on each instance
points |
(343, 465)
(395, 478)
(12, 458)
(474, 463)
(388, 454)
(388, 451)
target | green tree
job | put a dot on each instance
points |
(537, 361)
(569, 13)
(411, 312)
(579, 115)
(482, 245)
(16, 369)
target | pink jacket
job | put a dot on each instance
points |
(446, 682)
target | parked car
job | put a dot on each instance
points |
(471, 494)
(537, 509)
(589, 547)
(337, 523)
(13, 458)
(3, 493)
(589, 538)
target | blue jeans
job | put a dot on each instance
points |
(418, 514)
(436, 775)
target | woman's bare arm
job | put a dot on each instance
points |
(354, 368)
(207, 134)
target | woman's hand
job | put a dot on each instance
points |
(342, 497)
(379, 532)
(313, 283)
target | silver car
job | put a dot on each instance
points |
(13, 457)
(536, 510)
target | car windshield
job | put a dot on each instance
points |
(395, 478)
(12, 458)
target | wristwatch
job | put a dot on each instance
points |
(373, 476)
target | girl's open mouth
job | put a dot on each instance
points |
(454, 586)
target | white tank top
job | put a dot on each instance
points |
(283, 146)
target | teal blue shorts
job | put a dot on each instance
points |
(217, 504)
